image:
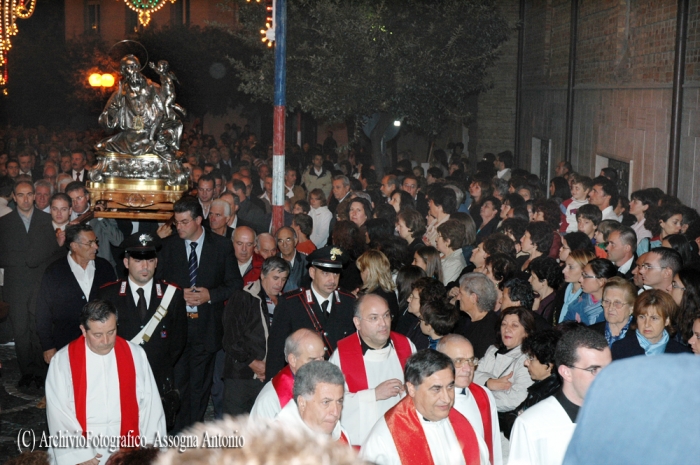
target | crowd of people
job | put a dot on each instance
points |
(454, 315)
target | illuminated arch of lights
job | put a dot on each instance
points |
(11, 10)
(145, 7)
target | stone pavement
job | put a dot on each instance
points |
(18, 410)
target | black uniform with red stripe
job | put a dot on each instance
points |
(291, 314)
(167, 341)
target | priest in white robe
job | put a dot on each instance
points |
(424, 428)
(84, 397)
(475, 402)
(372, 361)
(318, 401)
(301, 347)
(542, 433)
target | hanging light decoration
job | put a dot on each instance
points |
(145, 7)
(11, 10)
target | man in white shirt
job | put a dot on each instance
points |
(424, 427)
(503, 163)
(78, 160)
(604, 195)
(621, 246)
(475, 402)
(372, 361)
(317, 401)
(542, 433)
(301, 347)
(101, 386)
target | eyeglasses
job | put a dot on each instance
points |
(617, 305)
(647, 266)
(459, 362)
(89, 243)
(677, 286)
(592, 370)
(375, 318)
(181, 223)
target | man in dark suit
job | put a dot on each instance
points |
(67, 285)
(27, 246)
(203, 264)
(248, 211)
(322, 308)
(167, 339)
(78, 160)
(622, 246)
(410, 185)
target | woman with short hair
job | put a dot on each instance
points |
(411, 226)
(618, 303)
(653, 330)
(451, 239)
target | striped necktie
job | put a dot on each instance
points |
(193, 264)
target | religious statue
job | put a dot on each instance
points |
(146, 146)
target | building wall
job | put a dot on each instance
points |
(623, 87)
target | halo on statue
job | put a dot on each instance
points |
(128, 49)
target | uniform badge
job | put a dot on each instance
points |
(337, 296)
(144, 239)
(122, 289)
(163, 334)
(335, 251)
(309, 299)
(159, 291)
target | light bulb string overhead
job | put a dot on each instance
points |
(11, 10)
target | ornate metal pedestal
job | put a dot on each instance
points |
(136, 187)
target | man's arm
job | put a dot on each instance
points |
(179, 327)
(44, 317)
(280, 329)
(236, 315)
(232, 275)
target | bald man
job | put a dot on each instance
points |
(301, 347)
(266, 245)
(249, 262)
(475, 402)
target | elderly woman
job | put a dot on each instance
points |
(375, 272)
(411, 226)
(653, 312)
(618, 302)
(424, 290)
(588, 308)
(428, 258)
(451, 239)
(502, 368)
(539, 349)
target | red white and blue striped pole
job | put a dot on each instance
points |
(278, 190)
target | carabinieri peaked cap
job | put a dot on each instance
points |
(329, 258)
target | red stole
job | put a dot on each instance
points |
(482, 401)
(127, 386)
(411, 443)
(353, 363)
(283, 382)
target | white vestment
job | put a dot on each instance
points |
(466, 405)
(361, 410)
(103, 414)
(380, 448)
(541, 435)
(289, 416)
(494, 365)
(267, 404)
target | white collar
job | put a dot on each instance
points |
(625, 267)
(502, 172)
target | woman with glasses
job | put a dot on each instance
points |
(588, 308)
(539, 349)
(573, 267)
(502, 368)
(424, 290)
(375, 272)
(653, 313)
(618, 302)
(451, 238)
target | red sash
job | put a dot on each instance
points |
(344, 440)
(127, 386)
(482, 401)
(353, 363)
(410, 440)
(283, 382)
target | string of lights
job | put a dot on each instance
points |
(145, 8)
(11, 10)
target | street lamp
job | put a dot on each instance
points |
(101, 80)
